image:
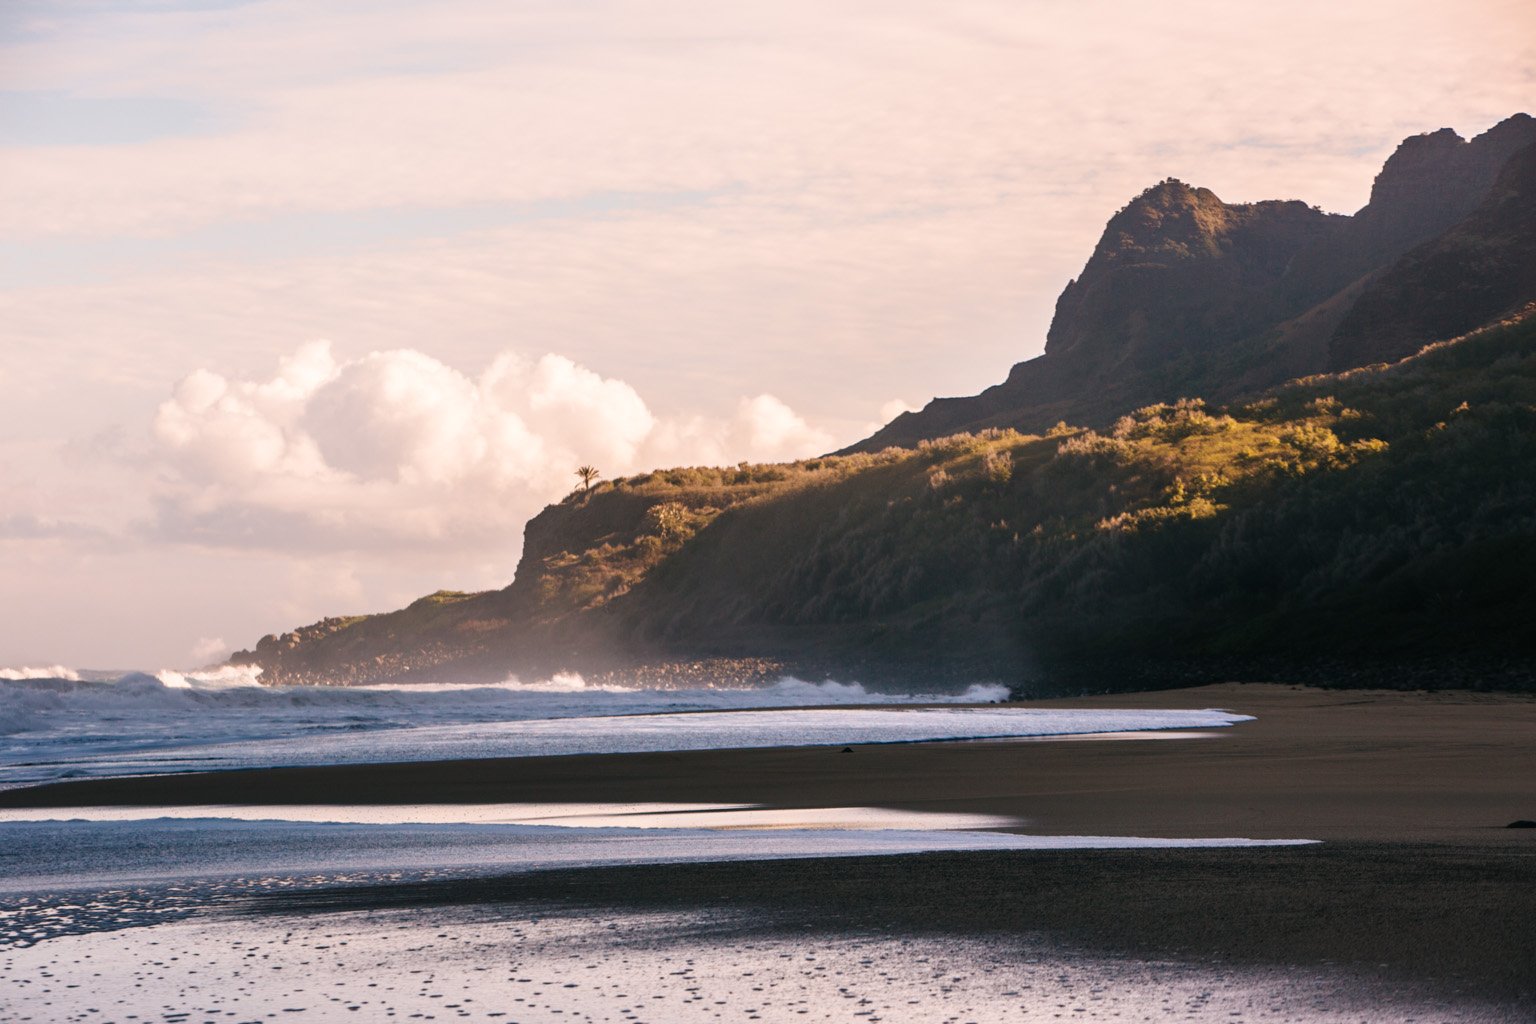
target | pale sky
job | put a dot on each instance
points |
(307, 305)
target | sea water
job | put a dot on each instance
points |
(56, 727)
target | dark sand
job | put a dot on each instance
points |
(1452, 921)
(1418, 880)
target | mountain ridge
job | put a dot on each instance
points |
(1185, 294)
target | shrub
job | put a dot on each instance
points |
(667, 519)
(1163, 422)
(997, 466)
(1094, 448)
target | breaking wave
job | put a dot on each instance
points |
(30, 672)
(59, 728)
(54, 716)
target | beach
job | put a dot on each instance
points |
(1418, 902)
(1369, 766)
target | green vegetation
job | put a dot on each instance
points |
(1386, 513)
(1382, 517)
(625, 529)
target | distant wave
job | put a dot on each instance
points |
(58, 728)
(32, 672)
(221, 678)
(561, 682)
(229, 703)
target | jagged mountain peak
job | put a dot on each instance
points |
(1171, 217)
(1482, 269)
(1172, 243)
(1435, 178)
(1173, 192)
(1187, 294)
(1515, 130)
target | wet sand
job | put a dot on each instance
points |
(1454, 921)
(525, 965)
(1418, 887)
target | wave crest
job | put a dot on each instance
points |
(36, 672)
(221, 678)
(230, 703)
(562, 682)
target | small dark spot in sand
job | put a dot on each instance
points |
(1522, 823)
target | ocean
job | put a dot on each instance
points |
(68, 727)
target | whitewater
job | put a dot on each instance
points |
(63, 726)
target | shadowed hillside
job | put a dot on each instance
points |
(1481, 268)
(1380, 522)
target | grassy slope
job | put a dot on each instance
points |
(1386, 514)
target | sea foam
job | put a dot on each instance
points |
(229, 703)
(58, 727)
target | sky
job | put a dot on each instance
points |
(306, 306)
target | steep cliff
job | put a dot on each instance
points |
(1481, 269)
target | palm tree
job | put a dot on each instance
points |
(587, 474)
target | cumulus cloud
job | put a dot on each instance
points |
(399, 447)
(765, 426)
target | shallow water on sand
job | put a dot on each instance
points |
(528, 965)
(69, 877)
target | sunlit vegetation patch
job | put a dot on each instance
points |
(637, 522)
(1385, 512)
(1347, 510)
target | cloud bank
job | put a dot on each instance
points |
(398, 448)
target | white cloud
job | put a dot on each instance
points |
(398, 448)
(580, 412)
(765, 428)
(399, 416)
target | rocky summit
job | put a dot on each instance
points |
(1185, 294)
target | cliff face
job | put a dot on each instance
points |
(1435, 180)
(1479, 270)
(1185, 294)
(1178, 271)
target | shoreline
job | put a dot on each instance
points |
(1362, 766)
(1416, 887)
